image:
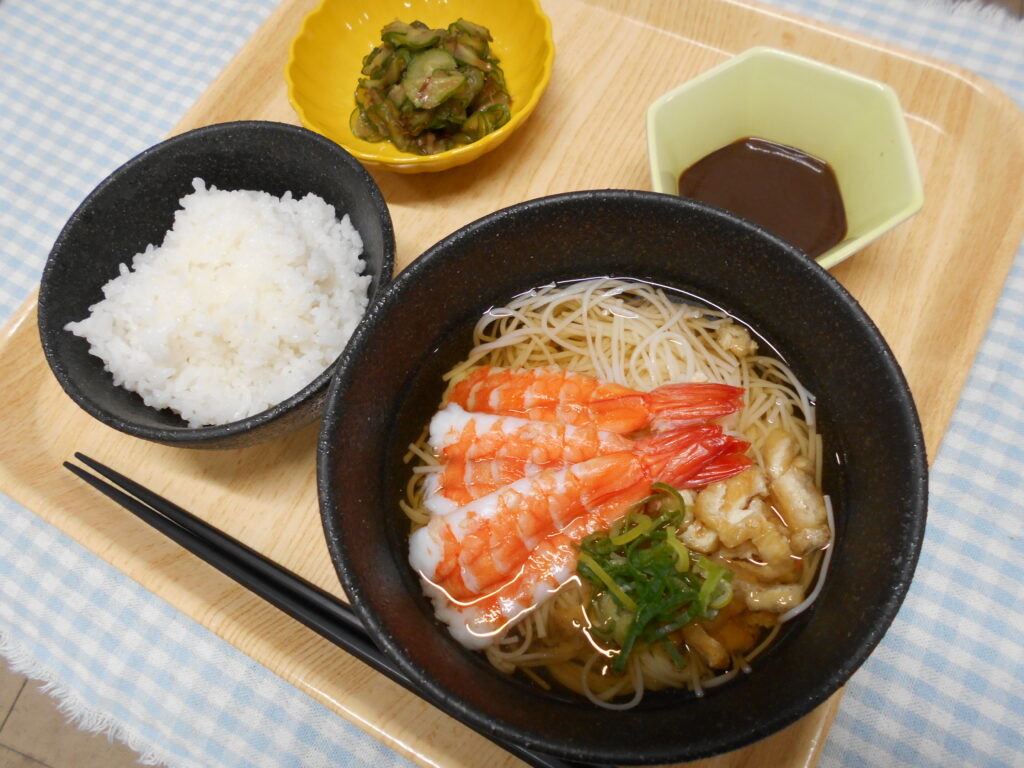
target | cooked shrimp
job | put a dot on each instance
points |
(481, 453)
(730, 462)
(457, 483)
(478, 620)
(554, 394)
(485, 542)
(457, 434)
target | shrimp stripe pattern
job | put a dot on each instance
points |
(459, 482)
(481, 453)
(485, 542)
(456, 434)
(554, 394)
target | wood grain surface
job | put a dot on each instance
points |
(930, 285)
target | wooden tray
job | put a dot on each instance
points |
(931, 286)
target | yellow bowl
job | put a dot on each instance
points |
(326, 57)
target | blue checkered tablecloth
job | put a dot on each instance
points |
(86, 84)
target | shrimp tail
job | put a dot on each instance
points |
(721, 468)
(676, 455)
(676, 405)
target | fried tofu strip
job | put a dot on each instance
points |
(799, 500)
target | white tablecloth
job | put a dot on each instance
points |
(86, 84)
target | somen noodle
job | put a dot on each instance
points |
(642, 336)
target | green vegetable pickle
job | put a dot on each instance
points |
(429, 90)
(645, 582)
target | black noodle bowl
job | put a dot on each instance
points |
(389, 382)
(648, 336)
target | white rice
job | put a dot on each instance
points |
(249, 299)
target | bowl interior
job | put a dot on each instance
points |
(422, 326)
(853, 123)
(135, 207)
(326, 58)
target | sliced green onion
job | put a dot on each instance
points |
(680, 504)
(609, 582)
(635, 532)
(679, 623)
(645, 583)
(673, 494)
(673, 653)
(713, 574)
(682, 553)
(725, 596)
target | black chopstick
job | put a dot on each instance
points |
(170, 519)
(303, 601)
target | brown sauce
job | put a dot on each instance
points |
(788, 192)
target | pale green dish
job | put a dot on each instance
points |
(853, 123)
